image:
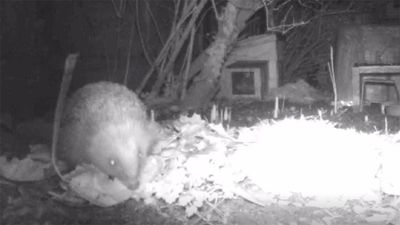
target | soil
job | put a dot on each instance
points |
(31, 203)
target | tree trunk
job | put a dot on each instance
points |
(206, 84)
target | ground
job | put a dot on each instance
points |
(30, 203)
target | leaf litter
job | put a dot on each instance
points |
(302, 171)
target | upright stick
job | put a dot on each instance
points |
(276, 109)
(333, 79)
(69, 67)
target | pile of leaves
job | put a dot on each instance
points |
(302, 171)
(338, 175)
(194, 167)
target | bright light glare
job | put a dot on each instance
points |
(314, 159)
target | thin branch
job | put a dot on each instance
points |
(266, 13)
(145, 52)
(177, 48)
(215, 10)
(70, 63)
(119, 10)
(287, 14)
(169, 43)
(189, 61)
(305, 4)
(286, 28)
(176, 12)
(154, 22)
(156, 63)
(184, 63)
(281, 5)
(128, 58)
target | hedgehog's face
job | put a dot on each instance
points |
(124, 164)
(119, 155)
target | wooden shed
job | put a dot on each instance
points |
(368, 48)
(251, 69)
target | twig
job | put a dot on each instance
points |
(333, 79)
(386, 126)
(189, 62)
(128, 58)
(69, 67)
(143, 44)
(214, 114)
(215, 10)
(148, 8)
(119, 10)
(267, 16)
(276, 108)
(281, 5)
(283, 104)
(176, 13)
(174, 42)
(285, 18)
(177, 43)
(163, 53)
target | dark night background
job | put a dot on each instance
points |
(36, 36)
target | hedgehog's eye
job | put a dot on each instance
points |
(112, 162)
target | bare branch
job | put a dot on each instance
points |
(154, 22)
(119, 10)
(179, 33)
(128, 58)
(145, 52)
(189, 61)
(280, 6)
(287, 15)
(176, 12)
(215, 10)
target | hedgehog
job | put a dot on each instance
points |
(106, 125)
